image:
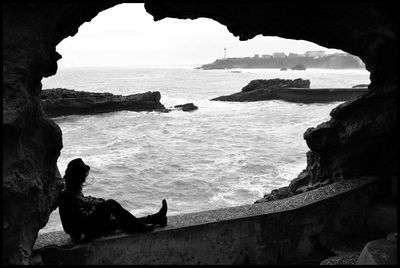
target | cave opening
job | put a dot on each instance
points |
(222, 155)
(359, 140)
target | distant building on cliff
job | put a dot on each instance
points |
(294, 55)
(279, 55)
(256, 56)
(266, 56)
(313, 54)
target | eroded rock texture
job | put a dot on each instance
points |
(31, 143)
(62, 101)
(360, 138)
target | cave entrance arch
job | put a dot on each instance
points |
(275, 169)
(364, 136)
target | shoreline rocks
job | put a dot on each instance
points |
(61, 101)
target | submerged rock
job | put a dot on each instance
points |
(60, 101)
(187, 107)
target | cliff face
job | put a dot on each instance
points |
(359, 139)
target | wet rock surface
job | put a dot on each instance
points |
(60, 101)
(276, 194)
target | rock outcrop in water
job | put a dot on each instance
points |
(316, 95)
(187, 107)
(292, 91)
(61, 101)
(364, 130)
(276, 83)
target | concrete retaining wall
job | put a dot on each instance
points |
(279, 232)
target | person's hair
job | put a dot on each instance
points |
(74, 180)
(75, 174)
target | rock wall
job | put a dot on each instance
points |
(32, 143)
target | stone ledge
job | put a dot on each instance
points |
(246, 216)
(60, 238)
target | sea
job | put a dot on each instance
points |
(224, 154)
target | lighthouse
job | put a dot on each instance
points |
(224, 52)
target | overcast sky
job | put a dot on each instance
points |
(126, 35)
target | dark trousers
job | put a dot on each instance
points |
(110, 216)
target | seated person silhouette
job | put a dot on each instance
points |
(93, 217)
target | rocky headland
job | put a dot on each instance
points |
(297, 90)
(297, 62)
(61, 101)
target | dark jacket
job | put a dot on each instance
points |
(76, 211)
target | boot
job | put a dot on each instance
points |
(159, 218)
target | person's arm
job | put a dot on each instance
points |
(73, 215)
